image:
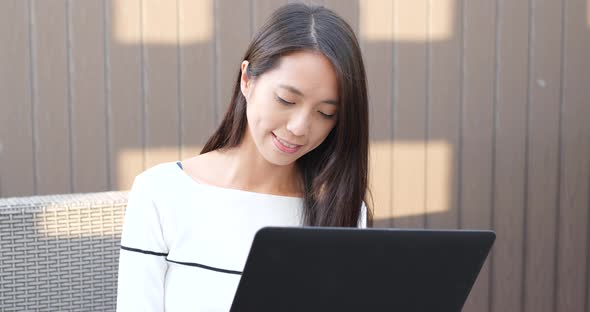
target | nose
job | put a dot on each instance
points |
(299, 123)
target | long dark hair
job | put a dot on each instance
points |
(335, 173)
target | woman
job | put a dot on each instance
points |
(291, 151)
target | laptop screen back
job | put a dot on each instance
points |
(344, 269)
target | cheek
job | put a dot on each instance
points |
(261, 118)
(252, 117)
(321, 133)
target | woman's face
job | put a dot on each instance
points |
(292, 108)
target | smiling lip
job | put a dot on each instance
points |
(284, 148)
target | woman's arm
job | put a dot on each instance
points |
(142, 260)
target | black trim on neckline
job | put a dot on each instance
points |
(202, 266)
(179, 165)
(148, 252)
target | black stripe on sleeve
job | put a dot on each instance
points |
(198, 265)
(202, 266)
(147, 252)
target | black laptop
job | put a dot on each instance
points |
(345, 269)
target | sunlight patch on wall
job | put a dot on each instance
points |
(439, 168)
(410, 172)
(131, 162)
(410, 178)
(443, 14)
(376, 20)
(407, 21)
(163, 22)
(380, 179)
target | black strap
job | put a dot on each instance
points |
(179, 165)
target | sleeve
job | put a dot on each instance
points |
(142, 259)
(362, 223)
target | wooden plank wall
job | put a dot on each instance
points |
(480, 115)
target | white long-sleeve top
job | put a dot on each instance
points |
(185, 244)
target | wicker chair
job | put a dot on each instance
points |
(60, 252)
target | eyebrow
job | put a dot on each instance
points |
(296, 91)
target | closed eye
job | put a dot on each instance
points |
(283, 101)
(327, 116)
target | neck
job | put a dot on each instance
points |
(246, 169)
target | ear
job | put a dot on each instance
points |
(244, 80)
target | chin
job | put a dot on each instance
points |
(280, 162)
(277, 158)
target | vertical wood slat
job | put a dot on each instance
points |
(160, 70)
(196, 72)
(88, 97)
(442, 159)
(232, 39)
(509, 149)
(477, 128)
(543, 150)
(52, 114)
(123, 41)
(409, 113)
(16, 133)
(376, 34)
(575, 161)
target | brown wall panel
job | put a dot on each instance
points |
(376, 29)
(443, 114)
(572, 286)
(542, 157)
(124, 98)
(52, 116)
(409, 121)
(509, 149)
(16, 132)
(161, 81)
(232, 38)
(196, 64)
(477, 131)
(89, 141)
